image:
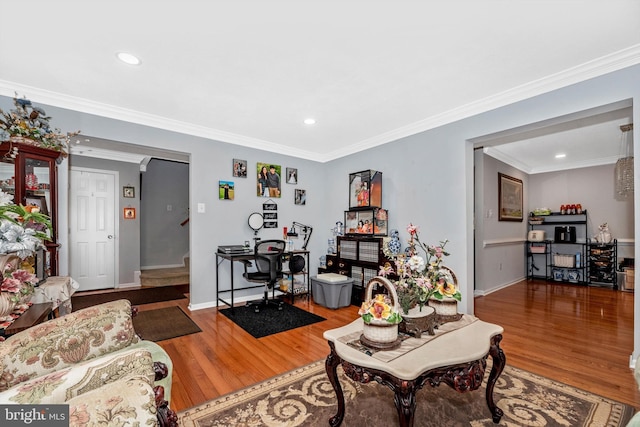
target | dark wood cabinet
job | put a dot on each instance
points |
(30, 174)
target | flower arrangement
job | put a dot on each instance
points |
(19, 283)
(23, 229)
(380, 309)
(32, 123)
(420, 276)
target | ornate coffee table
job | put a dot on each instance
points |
(457, 358)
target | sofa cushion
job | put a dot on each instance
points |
(158, 354)
(66, 341)
(65, 384)
(126, 402)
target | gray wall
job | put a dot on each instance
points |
(163, 241)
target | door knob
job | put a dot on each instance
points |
(109, 236)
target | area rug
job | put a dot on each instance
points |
(136, 296)
(304, 397)
(163, 324)
(270, 320)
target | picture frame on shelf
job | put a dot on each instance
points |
(509, 198)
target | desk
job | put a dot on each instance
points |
(247, 258)
(457, 358)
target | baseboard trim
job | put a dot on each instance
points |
(481, 293)
(158, 267)
(127, 285)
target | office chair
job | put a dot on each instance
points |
(268, 258)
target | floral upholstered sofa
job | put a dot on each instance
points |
(92, 360)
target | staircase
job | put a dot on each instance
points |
(165, 276)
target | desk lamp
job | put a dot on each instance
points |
(304, 229)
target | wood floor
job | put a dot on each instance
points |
(578, 335)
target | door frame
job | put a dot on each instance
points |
(116, 218)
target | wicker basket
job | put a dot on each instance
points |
(380, 333)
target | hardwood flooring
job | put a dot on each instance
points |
(577, 335)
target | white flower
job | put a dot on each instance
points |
(5, 198)
(16, 239)
(416, 263)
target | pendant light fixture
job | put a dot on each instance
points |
(624, 166)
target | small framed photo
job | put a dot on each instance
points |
(292, 176)
(239, 168)
(226, 190)
(129, 192)
(39, 201)
(129, 213)
(300, 197)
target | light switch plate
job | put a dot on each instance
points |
(200, 207)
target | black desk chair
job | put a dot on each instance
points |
(268, 258)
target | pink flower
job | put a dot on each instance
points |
(412, 229)
(24, 276)
(11, 285)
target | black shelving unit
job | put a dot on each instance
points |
(602, 262)
(565, 250)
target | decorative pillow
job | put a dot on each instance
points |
(65, 384)
(127, 402)
(66, 341)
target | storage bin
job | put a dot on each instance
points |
(332, 290)
(562, 260)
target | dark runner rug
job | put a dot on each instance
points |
(270, 320)
(163, 324)
(304, 397)
(136, 296)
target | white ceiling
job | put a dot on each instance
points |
(249, 72)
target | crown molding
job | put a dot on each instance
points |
(600, 66)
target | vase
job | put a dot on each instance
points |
(6, 305)
(446, 309)
(380, 334)
(419, 320)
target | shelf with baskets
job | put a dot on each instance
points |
(602, 261)
(556, 248)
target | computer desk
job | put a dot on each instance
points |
(245, 258)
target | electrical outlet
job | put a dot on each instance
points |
(169, 208)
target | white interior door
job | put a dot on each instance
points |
(92, 228)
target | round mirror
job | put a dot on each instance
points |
(256, 221)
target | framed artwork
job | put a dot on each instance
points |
(300, 197)
(268, 182)
(509, 198)
(225, 190)
(292, 176)
(128, 192)
(38, 201)
(239, 168)
(129, 213)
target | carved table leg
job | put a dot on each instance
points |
(331, 366)
(405, 400)
(499, 360)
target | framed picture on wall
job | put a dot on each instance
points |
(128, 192)
(509, 198)
(226, 190)
(292, 176)
(129, 213)
(239, 168)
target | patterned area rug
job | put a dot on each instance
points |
(304, 397)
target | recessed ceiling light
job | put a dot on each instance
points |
(561, 156)
(128, 58)
(309, 121)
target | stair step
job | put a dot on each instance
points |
(164, 276)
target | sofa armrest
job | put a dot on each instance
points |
(66, 341)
